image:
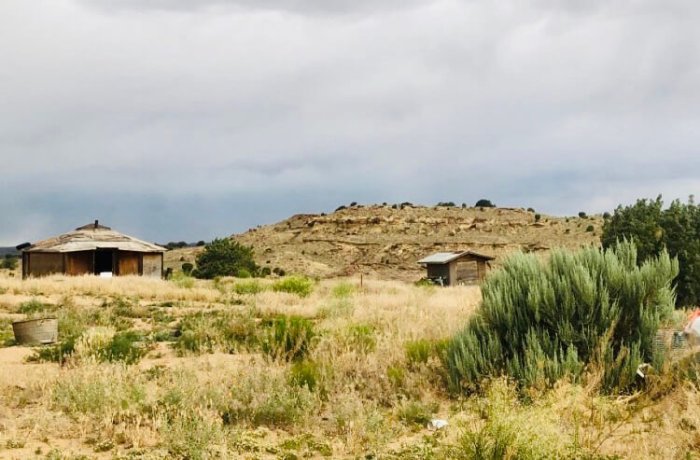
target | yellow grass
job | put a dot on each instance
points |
(369, 398)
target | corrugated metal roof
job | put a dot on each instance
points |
(90, 237)
(447, 257)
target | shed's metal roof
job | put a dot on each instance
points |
(447, 257)
(93, 236)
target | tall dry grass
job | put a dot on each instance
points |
(371, 379)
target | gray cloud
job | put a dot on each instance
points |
(324, 7)
(148, 113)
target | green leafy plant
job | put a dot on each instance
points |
(539, 322)
(224, 257)
(653, 229)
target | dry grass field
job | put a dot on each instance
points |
(260, 369)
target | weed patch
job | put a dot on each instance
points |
(298, 285)
(288, 338)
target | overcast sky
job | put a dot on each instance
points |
(191, 119)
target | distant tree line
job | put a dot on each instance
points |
(183, 244)
(653, 229)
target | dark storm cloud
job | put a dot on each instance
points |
(144, 114)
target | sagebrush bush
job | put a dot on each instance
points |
(539, 322)
(298, 285)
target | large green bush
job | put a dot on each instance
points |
(653, 228)
(540, 321)
(224, 257)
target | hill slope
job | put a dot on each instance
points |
(386, 242)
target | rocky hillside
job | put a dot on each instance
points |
(386, 241)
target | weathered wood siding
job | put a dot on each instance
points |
(80, 263)
(153, 265)
(467, 271)
(45, 263)
(128, 263)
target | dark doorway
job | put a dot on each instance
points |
(104, 261)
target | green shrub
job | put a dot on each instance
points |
(298, 285)
(248, 287)
(243, 273)
(305, 373)
(538, 217)
(101, 343)
(416, 412)
(34, 306)
(590, 228)
(224, 257)
(289, 337)
(9, 262)
(187, 268)
(653, 228)
(484, 203)
(127, 347)
(56, 353)
(396, 375)
(582, 215)
(540, 322)
(418, 351)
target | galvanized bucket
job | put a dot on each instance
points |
(39, 331)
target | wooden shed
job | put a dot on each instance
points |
(453, 268)
(92, 249)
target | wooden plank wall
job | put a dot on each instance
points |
(467, 272)
(80, 263)
(128, 263)
(45, 263)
